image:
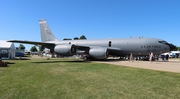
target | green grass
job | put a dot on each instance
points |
(73, 79)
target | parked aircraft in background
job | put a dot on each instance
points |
(173, 54)
(100, 48)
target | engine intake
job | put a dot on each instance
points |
(65, 50)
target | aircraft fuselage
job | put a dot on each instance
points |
(138, 46)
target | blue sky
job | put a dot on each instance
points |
(93, 18)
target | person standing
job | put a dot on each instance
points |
(131, 57)
(151, 57)
(167, 57)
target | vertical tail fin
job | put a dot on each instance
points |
(46, 33)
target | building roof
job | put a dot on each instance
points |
(4, 44)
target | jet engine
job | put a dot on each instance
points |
(65, 50)
(99, 53)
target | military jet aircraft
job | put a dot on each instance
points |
(100, 48)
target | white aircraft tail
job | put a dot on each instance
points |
(46, 33)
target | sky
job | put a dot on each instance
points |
(96, 19)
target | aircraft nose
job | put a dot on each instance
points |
(172, 47)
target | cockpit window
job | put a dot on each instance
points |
(163, 42)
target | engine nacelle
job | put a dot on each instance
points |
(99, 53)
(65, 50)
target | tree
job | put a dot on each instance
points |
(21, 46)
(41, 48)
(178, 48)
(33, 49)
(76, 38)
(67, 39)
(82, 37)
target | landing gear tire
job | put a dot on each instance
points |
(85, 58)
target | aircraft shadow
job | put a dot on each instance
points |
(67, 61)
(24, 59)
(110, 60)
(10, 63)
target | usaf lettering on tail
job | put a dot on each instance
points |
(100, 48)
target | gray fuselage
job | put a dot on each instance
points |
(138, 46)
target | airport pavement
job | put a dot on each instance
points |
(170, 66)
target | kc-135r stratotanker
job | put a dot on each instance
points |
(100, 48)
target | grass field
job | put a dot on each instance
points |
(73, 79)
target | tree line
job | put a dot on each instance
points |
(76, 38)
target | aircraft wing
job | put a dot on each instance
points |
(84, 47)
(30, 42)
(89, 47)
(114, 49)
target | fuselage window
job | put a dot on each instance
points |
(109, 43)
